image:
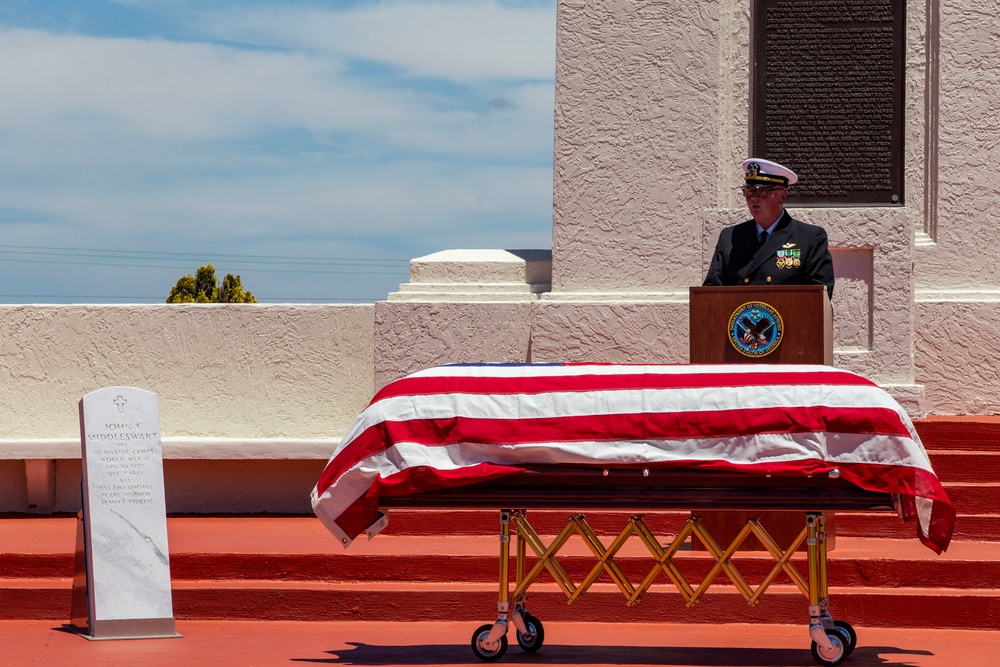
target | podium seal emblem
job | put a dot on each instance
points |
(755, 329)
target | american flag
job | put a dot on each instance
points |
(466, 423)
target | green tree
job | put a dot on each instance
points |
(231, 291)
(202, 288)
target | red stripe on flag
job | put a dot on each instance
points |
(709, 425)
(905, 481)
(364, 511)
(526, 384)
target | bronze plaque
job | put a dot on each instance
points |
(827, 98)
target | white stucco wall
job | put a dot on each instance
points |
(957, 350)
(412, 335)
(272, 386)
(627, 333)
(960, 250)
(220, 371)
(636, 142)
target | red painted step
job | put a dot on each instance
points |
(884, 563)
(979, 527)
(270, 569)
(967, 433)
(965, 466)
(338, 601)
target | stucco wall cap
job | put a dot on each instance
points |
(218, 449)
(618, 297)
(966, 295)
(483, 266)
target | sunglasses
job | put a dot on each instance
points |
(758, 193)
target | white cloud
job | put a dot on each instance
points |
(188, 90)
(158, 88)
(461, 41)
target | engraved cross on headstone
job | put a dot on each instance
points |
(120, 402)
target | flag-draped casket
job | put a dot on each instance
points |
(467, 423)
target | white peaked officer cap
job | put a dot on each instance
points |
(765, 174)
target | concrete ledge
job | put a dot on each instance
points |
(483, 266)
(478, 276)
(455, 293)
(225, 449)
(618, 297)
(928, 295)
(909, 396)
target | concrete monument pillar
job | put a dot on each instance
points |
(651, 125)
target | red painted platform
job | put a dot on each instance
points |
(249, 644)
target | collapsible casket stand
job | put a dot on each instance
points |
(832, 640)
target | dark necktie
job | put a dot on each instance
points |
(763, 238)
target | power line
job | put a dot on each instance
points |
(184, 266)
(187, 258)
(176, 260)
(52, 256)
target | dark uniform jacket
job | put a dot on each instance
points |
(795, 253)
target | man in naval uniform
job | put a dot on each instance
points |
(773, 248)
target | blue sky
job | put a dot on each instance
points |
(311, 147)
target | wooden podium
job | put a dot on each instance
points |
(805, 311)
(721, 320)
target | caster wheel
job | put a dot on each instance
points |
(852, 636)
(491, 653)
(834, 655)
(531, 640)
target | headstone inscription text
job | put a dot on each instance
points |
(124, 449)
(828, 97)
(124, 516)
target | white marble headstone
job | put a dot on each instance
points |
(124, 516)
